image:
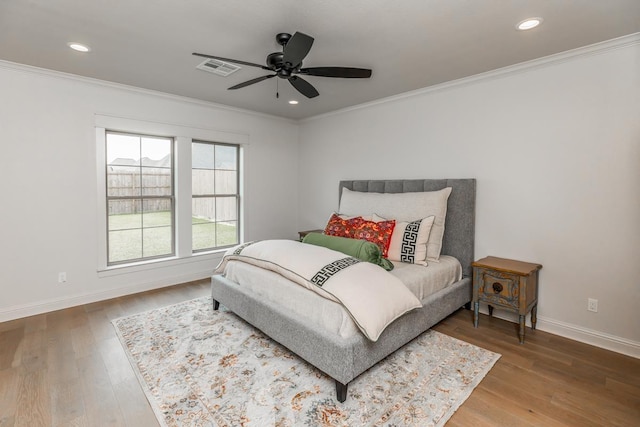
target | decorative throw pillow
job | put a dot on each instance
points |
(409, 240)
(342, 227)
(403, 207)
(365, 217)
(361, 249)
(359, 228)
(377, 232)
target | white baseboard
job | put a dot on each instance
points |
(589, 336)
(576, 333)
(46, 306)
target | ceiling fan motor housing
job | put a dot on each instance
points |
(283, 38)
(275, 60)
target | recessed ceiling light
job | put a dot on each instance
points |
(293, 102)
(528, 24)
(79, 47)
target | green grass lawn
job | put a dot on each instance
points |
(128, 241)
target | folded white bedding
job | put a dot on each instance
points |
(373, 297)
(276, 289)
(329, 315)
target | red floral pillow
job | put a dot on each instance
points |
(377, 232)
(342, 227)
(359, 228)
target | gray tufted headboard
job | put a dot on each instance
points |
(459, 233)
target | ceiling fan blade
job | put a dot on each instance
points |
(297, 48)
(252, 81)
(303, 86)
(344, 72)
(235, 61)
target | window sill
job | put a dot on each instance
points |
(210, 256)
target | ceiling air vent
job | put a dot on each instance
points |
(218, 67)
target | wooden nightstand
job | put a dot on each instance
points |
(304, 233)
(508, 284)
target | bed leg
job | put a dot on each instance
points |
(341, 391)
(468, 306)
(216, 304)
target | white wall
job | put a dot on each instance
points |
(48, 220)
(555, 149)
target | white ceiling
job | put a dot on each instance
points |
(409, 44)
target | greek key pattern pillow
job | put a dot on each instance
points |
(409, 240)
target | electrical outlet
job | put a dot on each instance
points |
(592, 305)
(62, 277)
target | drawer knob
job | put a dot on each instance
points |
(497, 287)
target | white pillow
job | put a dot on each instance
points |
(403, 207)
(409, 240)
(365, 217)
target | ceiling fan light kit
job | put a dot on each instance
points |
(288, 65)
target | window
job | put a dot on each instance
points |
(168, 195)
(215, 196)
(140, 197)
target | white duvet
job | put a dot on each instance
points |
(372, 296)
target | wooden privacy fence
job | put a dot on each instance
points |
(158, 183)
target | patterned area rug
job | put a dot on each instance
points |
(199, 367)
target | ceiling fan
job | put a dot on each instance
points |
(288, 65)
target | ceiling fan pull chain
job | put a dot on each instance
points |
(277, 93)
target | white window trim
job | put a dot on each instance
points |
(184, 136)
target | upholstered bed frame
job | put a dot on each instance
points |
(346, 358)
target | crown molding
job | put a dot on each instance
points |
(557, 58)
(14, 66)
(594, 49)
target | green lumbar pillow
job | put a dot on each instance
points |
(361, 249)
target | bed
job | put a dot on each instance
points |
(340, 353)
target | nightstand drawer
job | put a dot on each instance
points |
(498, 288)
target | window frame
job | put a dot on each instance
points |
(237, 194)
(183, 136)
(142, 197)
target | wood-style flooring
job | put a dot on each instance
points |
(67, 368)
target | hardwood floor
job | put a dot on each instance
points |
(547, 381)
(67, 368)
